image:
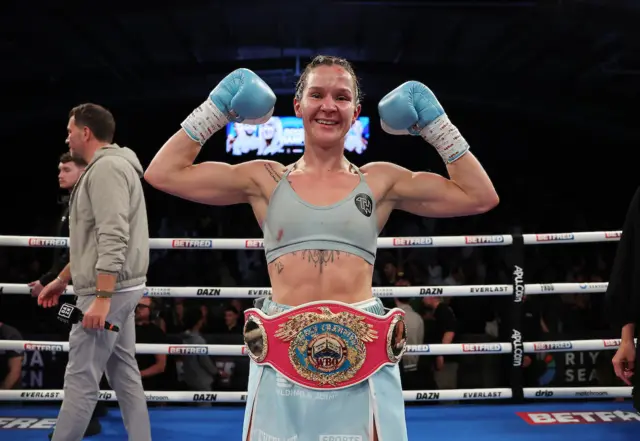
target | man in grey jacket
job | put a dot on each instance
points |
(109, 258)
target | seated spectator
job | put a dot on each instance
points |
(231, 321)
(151, 366)
(440, 327)
(173, 317)
(198, 370)
(10, 361)
(409, 374)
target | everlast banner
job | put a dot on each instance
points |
(489, 289)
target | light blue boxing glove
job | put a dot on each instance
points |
(412, 109)
(242, 96)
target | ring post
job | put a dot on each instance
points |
(517, 347)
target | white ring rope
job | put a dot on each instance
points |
(387, 291)
(383, 242)
(413, 291)
(424, 349)
(408, 395)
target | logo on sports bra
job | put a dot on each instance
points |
(364, 204)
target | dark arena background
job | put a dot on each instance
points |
(546, 92)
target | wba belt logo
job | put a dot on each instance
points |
(326, 348)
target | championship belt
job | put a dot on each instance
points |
(325, 345)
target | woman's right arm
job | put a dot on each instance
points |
(243, 96)
(213, 183)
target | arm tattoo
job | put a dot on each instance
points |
(279, 266)
(320, 258)
(272, 172)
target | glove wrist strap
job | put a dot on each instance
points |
(204, 121)
(446, 138)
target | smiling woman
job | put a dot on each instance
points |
(326, 128)
(321, 217)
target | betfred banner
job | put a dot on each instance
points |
(579, 417)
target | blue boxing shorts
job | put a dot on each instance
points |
(324, 371)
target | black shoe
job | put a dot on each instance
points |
(93, 428)
(100, 410)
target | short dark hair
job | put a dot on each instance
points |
(68, 157)
(328, 60)
(99, 120)
(231, 309)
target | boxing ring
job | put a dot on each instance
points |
(526, 413)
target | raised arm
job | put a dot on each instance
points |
(412, 109)
(242, 97)
(173, 171)
(469, 190)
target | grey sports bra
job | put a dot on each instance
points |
(349, 225)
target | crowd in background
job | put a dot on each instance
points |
(445, 320)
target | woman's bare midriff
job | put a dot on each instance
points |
(315, 275)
